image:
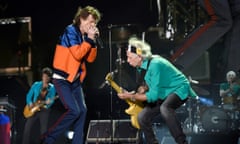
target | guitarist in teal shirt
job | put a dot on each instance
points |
(40, 91)
(167, 89)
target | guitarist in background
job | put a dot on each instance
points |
(167, 90)
(40, 91)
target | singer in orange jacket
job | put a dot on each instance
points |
(76, 46)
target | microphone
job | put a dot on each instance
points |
(99, 41)
(192, 81)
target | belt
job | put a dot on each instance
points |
(57, 76)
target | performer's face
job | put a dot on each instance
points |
(87, 23)
(45, 78)
(230, 78)
(133, 59)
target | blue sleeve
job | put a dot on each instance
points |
(72, 36)
(30, 94)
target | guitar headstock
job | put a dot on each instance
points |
(109, 77)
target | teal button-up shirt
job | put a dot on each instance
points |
(163, 79)
(235, 89)
(34, 92)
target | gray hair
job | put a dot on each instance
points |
(231, 74)
(143, 46)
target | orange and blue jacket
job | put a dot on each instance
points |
(71, 53)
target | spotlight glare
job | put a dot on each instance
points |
(70, 134)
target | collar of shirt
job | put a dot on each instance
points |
(144, 64)
(41, 85)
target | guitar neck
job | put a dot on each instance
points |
(115, 86)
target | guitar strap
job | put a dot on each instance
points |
(141, 75)
(43, 93)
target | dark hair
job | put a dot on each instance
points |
(84, 13)
(47, 71)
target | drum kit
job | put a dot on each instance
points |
(205, 117)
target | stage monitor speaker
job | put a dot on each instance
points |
(111, 131)
(124, 131)
(99, 130)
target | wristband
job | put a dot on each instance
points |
(133, 98)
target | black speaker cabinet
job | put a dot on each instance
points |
(200, 69)
(111, 130)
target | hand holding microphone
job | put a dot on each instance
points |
(93, 33)
(99, 41)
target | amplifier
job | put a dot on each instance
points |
(10, 108)
(6, 102)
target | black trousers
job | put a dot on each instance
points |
(167, 110)
(42, 116)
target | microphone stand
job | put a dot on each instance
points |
(111, 89)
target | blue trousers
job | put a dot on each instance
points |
(72, 98)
